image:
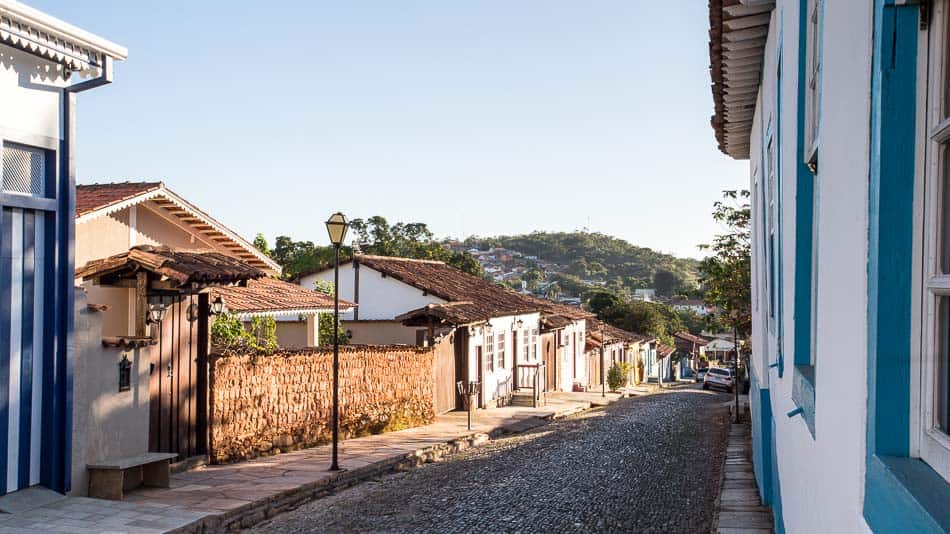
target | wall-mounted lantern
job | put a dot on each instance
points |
(155, 314)
(218, 307)
(520, 323)
(125, 374)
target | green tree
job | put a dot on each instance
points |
(666, 282)
(533, 277)
(599, 301)
(260, 243)
(325, 320)
(727, 273)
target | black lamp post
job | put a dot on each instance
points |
(337, 226)
(603, 378)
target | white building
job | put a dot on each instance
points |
(841, 109)
(406, 301)
(44, 64)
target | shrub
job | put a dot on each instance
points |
(617, 375)
(228, 334)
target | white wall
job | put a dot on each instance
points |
(836, 455)
(27, 104)
(108, 424)
(507, 324)
(380, 297)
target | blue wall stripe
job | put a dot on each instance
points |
(6, 264)
(804, 212)
(26, 360)
(49, 324)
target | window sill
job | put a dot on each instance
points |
(803, 394)
(905, 495)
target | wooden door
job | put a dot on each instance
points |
(549, 351)
(178, 379)
(445, 376)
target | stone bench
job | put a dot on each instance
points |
(111, 479)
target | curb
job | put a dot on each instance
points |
(259, 511)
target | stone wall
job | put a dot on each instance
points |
(266, 404)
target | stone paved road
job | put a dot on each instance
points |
(648, 464)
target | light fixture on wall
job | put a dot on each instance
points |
(520, 323)
(218, 307)
(155, 314)
(191, 313)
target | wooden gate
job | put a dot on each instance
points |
(549, 352)
(178, 378)
(444, 375)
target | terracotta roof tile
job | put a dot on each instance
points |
(275, 297)
(185, 268)
(473, 299)
(94, 197)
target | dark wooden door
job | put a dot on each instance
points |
(445, 376)
(178, 378)
(549, 350)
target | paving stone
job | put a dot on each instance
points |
(621, 470)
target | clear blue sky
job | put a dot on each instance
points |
(478, 117)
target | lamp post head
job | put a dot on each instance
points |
(337, 225)
(156, 312)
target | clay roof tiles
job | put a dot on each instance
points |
(184, 268)
(269, 296)
(94, 197)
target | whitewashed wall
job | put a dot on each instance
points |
(23, 108)
(506, 324)
(380, 297)
(822, 477)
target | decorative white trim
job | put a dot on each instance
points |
(191, 209)
(33, 31)
(288, 312)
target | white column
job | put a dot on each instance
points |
(313, 330)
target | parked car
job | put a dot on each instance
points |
(717, 377)
(701, 374)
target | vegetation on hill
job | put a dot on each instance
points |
(610, 262)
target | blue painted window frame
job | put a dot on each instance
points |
(803, 336)
(902, 494)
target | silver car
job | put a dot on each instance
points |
(718, 377)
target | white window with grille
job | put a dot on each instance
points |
(24, 170)
(932, 417)
(490, 350)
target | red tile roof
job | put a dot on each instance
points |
(664, 350)
(94, 197)
(473, 299)
(184, 268)
(691, 338)
(269, 296)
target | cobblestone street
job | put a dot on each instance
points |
(647, 464)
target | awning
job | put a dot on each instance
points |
(169, 269)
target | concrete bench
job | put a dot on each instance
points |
(110, 480)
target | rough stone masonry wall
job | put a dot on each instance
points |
(264, 404)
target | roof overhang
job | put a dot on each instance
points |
(169, 270)
(32, 31)
(190, 215)
(737, 33)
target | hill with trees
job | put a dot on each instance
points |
(576, 259)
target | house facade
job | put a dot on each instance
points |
(495, 331)
(44, 64)
(841, 110)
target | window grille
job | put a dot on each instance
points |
(24, 170)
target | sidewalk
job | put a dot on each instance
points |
(222, 497)
(740, 509)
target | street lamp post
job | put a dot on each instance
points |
(603, 377)
(337, 226)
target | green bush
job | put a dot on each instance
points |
(617, 375)
(228, 334)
